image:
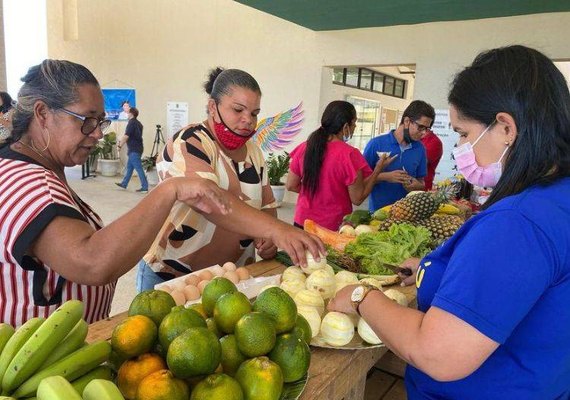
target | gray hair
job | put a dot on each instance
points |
(220, 82)
(55, 83)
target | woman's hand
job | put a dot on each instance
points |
(202, 194)
(295, 242)
(341, 302)
(413, 264)
(266, 249)
(383, 162)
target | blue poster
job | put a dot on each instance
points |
(118, 102)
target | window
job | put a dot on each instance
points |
(365, 79)
(351, 77)
(399, 88)
(338, 75)
(369, 80)
(378, 83)
(389, 85)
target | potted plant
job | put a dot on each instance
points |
(93, 159)
(108, 155)
(149, 165)
(277, 167)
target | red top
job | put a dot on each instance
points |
(331, 202)
(434, 151)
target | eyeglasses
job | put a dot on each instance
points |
(89, 123)
(421, 128)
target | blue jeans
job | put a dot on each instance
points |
(134, 163)
(146, 277)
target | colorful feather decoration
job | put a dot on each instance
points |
(275, 133)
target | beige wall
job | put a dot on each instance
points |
(3, 83)
(164, 48)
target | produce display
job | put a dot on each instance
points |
(49, 359)
(238, 350)
(313, 286)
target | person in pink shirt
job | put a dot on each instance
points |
(329, 174)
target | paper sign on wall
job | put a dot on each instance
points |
(442, 128)
(176, 116)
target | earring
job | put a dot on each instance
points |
(507, 143)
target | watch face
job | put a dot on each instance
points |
(357, 293)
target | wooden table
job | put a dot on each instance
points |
(333, 374)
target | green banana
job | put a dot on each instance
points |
(73, 341)
(8, 398)
(57, 388)
(16, 342)
(71, 367)
(101, 389)
(101, 372)
(34, 352)
(6, 332)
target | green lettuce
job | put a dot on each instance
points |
(393, 246)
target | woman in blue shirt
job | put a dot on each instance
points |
(492, 319)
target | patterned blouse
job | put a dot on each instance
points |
(187, 240)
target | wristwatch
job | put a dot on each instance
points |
(359, 294)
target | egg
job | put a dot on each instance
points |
(232, 276)
(192, 280)
(178, 285)
(165, 288)
(191, 292)
(202, 285)
(206, 275)
(243, 273)
(217, 270)
(229, 266)
(178, 296)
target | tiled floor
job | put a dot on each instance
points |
(110, 202)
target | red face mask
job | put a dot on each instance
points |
(228, 138)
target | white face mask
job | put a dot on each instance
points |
(487, 176)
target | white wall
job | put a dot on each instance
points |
(164, 49)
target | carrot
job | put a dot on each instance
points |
(332, 238)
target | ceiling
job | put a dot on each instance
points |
(322, 15)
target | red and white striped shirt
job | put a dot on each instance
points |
(31, 196)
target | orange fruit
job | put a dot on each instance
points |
(162, 385)
(217, 387)
(293, 356)
(255, 334)
(214, 290)
(155, 304)
(276, 303)
(231, 356)
(229, 308)
(176, 323)
(303, 329)
(199, 308)
(261, 379)
(134, 336)
(197, 351)
(133, 371)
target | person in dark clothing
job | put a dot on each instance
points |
(134, 140)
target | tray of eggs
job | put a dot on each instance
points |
(187, 289)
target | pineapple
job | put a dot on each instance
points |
(442, 227)
(419, 205)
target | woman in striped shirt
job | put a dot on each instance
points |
(53, 246)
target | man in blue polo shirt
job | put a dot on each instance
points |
(408, 169)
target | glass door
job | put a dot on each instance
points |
(367, 112)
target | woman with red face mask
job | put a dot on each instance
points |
(219, 149)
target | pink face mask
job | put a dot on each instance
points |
(487, 176)
(228, 138)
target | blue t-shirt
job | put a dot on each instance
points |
(412, 159)
(506, 272)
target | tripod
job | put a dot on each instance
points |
(158, 140)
